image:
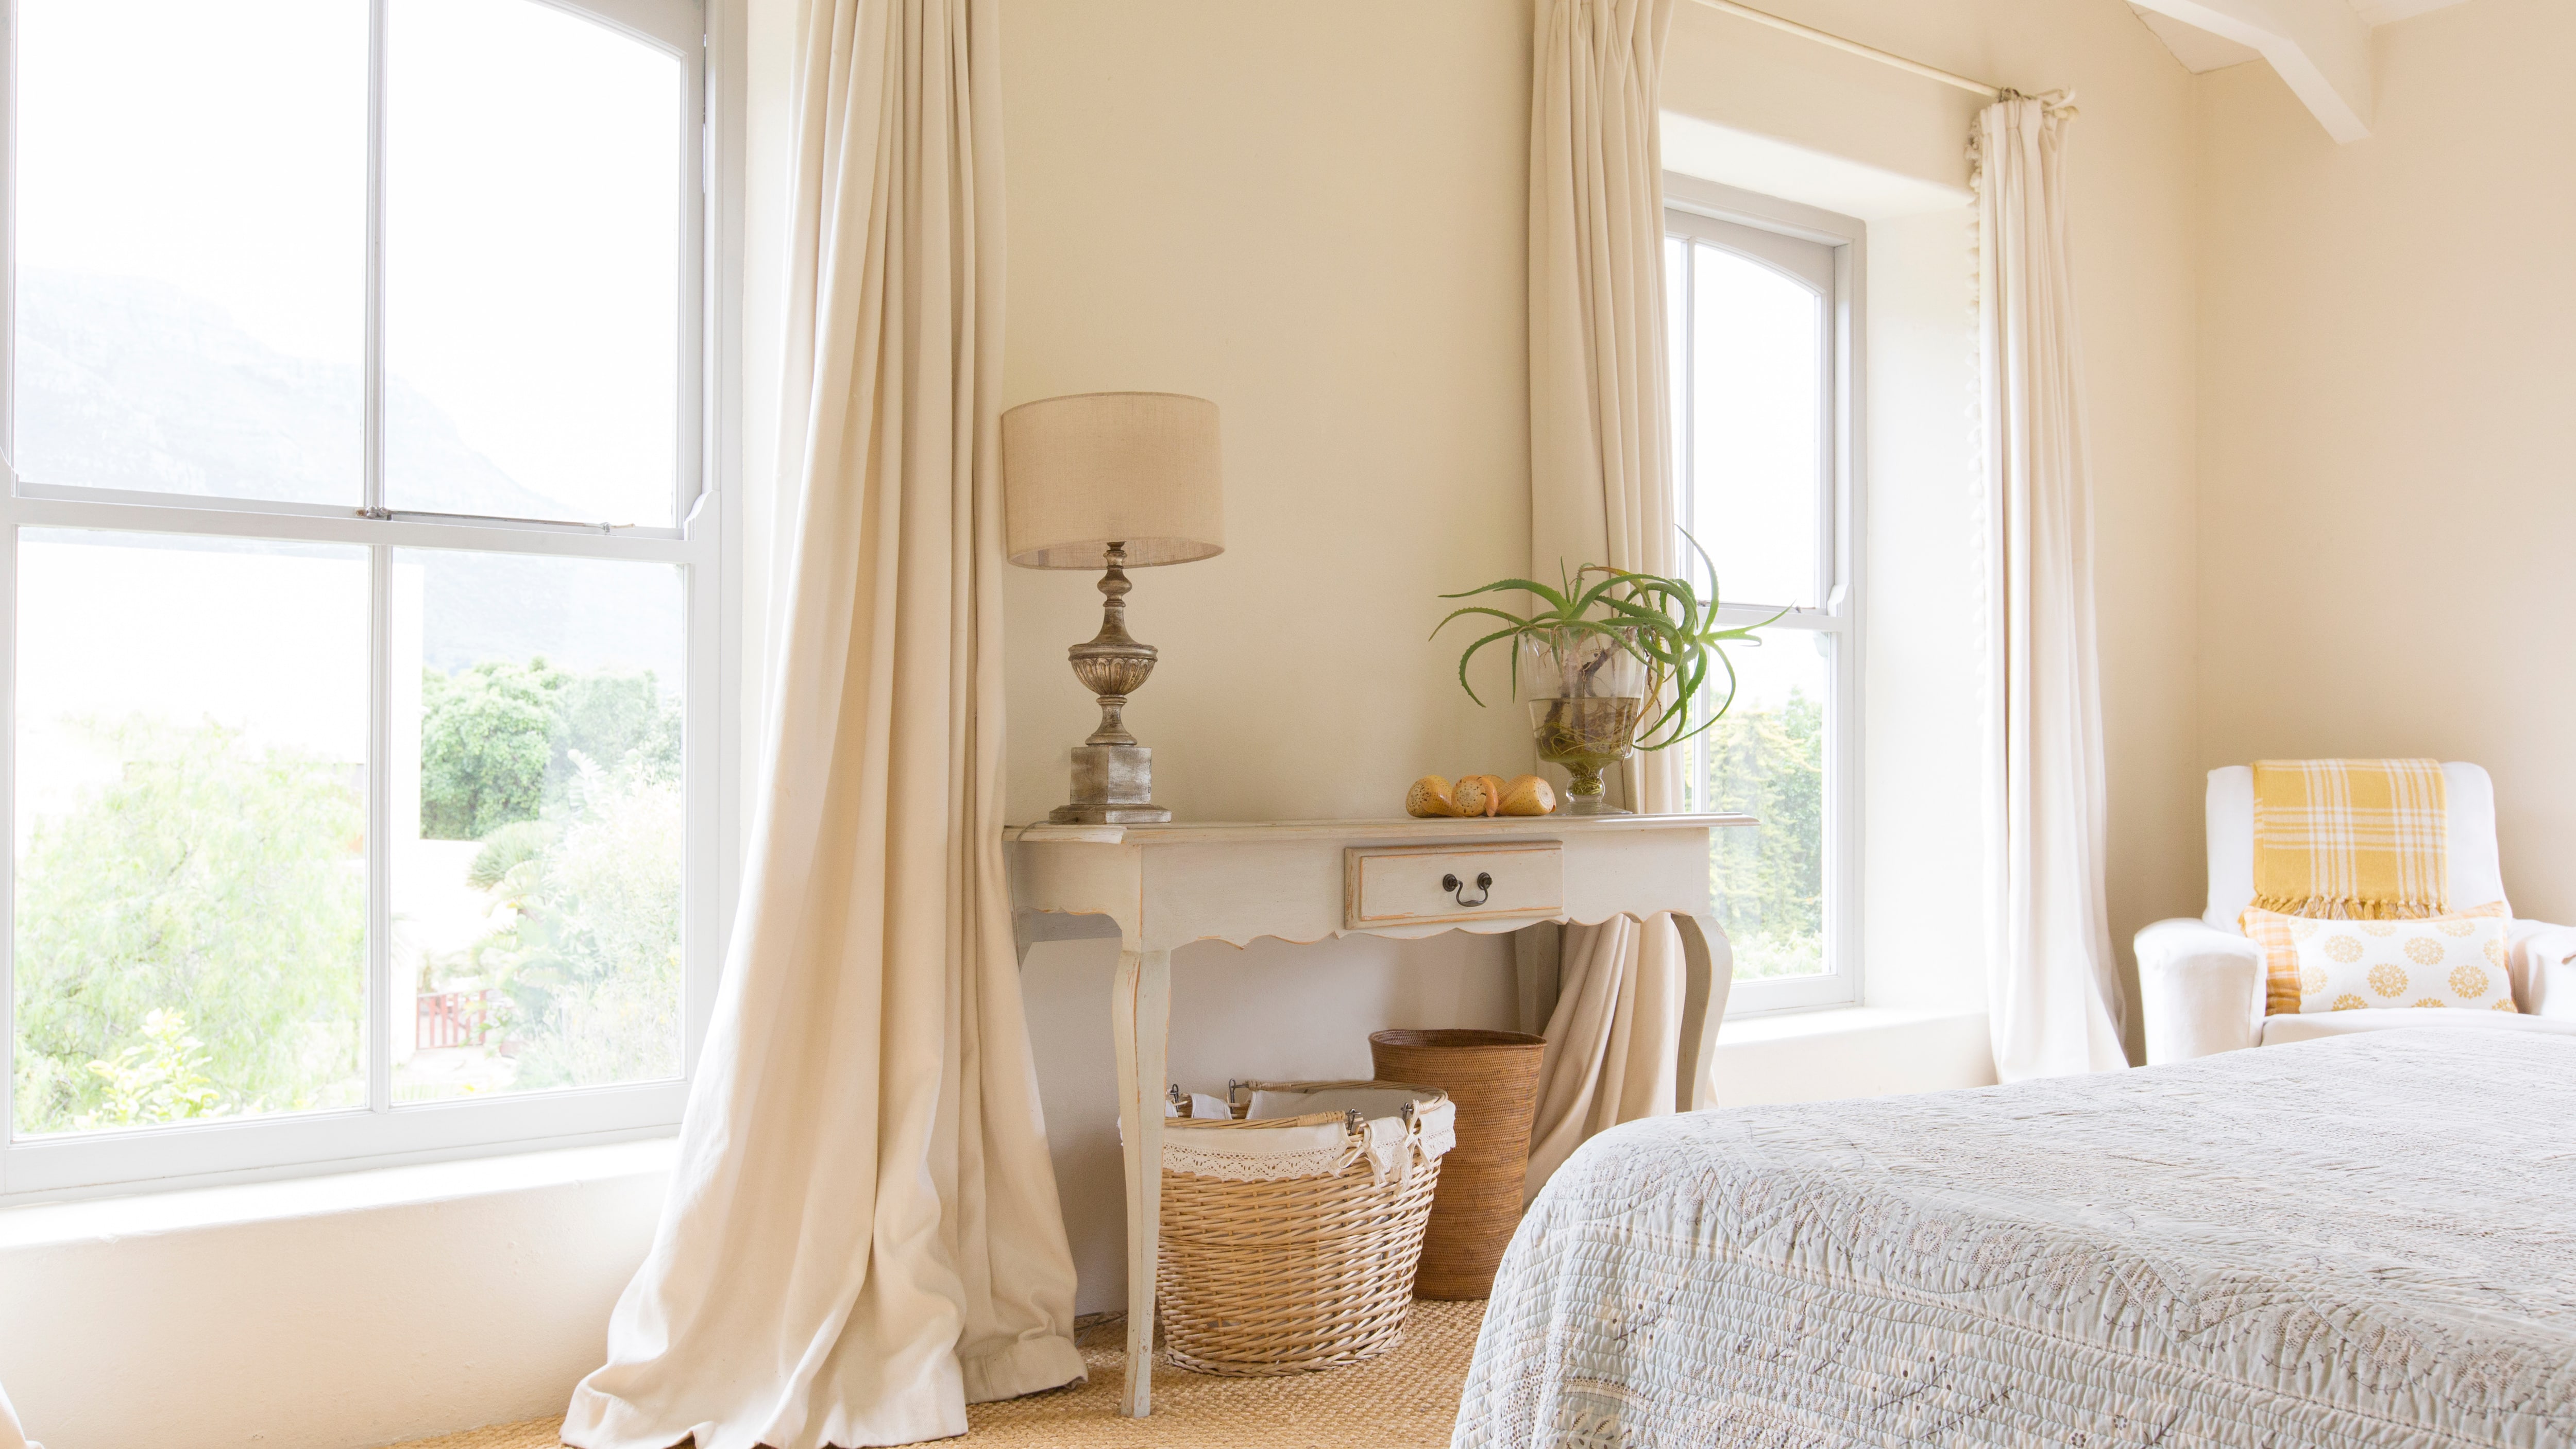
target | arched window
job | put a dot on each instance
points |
(1761, 300)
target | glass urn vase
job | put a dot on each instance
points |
(1586, 693)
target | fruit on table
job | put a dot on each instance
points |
(1472, 797)
(1478, 795)
(1528, 795)
(1430, 799)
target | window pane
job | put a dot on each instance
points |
(534, 162)
(191, 245)
(536, 781)
(191, 829)
(1766, 758)
(1757, 409)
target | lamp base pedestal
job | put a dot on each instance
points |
(1112, 785)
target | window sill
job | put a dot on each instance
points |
(1831, 1021)
(1849, 1051)
(372, 1306)
(236, 1204)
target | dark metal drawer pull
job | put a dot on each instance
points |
(1484, 883)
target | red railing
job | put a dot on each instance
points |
(452, 1018)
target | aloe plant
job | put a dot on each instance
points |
(1658, 620)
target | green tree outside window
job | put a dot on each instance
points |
(1768, 884)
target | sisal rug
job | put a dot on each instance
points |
(1406, 1400)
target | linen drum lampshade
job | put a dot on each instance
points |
(1096, 468)
(1110, 481)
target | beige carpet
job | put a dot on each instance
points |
(1408, 1398)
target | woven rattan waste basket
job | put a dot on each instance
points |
(1290, 1238)
(1492, 1080)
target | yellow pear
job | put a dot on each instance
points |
(1430, 798)
(1528, 795)
(1478, 794)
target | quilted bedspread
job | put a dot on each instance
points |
(2365, 1241)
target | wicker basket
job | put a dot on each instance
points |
(1492, 1077)
(1289, 1242)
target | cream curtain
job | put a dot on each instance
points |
(11, 1436)
(862, 1233)
(2053, 991)
(1599, 494)
(1612, 1042)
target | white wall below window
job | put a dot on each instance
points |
(328, 1313)
(1865, 1051)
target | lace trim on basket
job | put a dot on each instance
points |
(1392, 1148)
(1246, 1167)
(1280, 1167)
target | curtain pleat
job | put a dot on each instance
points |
(1599, 494)
(1622, 1002)
(11, 1436)
(862, 1233)
(2053, 988)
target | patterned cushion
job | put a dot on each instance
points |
(2293, 945)
(2440, 961)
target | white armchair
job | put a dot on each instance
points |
(2201, 981)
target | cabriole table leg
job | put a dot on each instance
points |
(1710, 965)
(1140, 1019)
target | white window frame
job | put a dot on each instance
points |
(709, 41)
(1788, 236)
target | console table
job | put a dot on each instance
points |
(1156, 887)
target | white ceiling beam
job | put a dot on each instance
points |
(2320, 47)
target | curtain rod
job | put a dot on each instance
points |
(1992, 93)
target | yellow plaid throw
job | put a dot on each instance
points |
(2361, 840)
(2356, 839)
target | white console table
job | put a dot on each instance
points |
(1156, 887)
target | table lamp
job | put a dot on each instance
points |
(1112, 481)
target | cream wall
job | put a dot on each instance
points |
(1312, 214)
(330, 1313)
(2388, 395)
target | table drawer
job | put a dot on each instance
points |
(1422, 885)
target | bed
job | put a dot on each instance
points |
(2365, 1241)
